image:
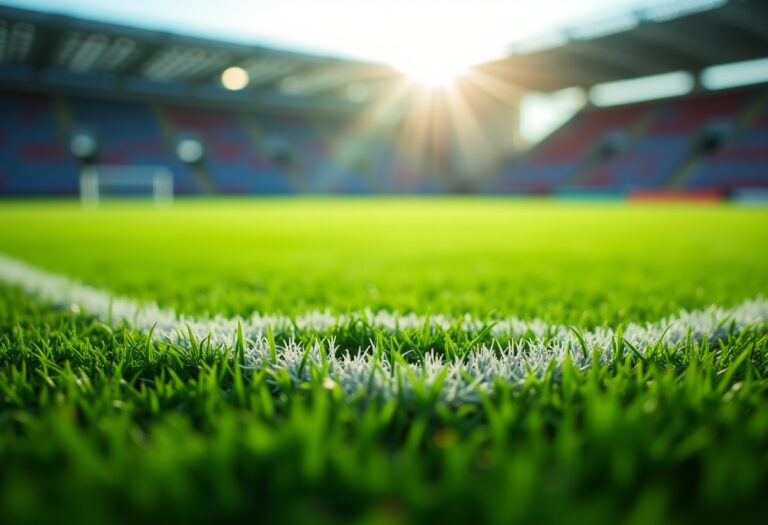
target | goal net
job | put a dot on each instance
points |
(99, 181)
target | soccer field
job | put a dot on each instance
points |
(384, 361)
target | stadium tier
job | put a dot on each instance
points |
(78, 92)
(744, 162)
(33, 158)
(716, 142)
(707, 142)
(244, 153)
(130, 134)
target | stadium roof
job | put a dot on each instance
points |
(688, 35)
(49, 51)
(41, 50)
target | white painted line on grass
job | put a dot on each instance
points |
(519, 348)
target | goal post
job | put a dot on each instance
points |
(97, 179)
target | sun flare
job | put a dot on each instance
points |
(431, 73)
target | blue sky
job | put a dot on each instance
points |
(390, 31)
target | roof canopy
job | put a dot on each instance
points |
(688, 35)
(46, 51)
(39, 51)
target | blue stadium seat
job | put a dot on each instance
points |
(33, 156)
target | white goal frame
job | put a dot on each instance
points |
(93, 178)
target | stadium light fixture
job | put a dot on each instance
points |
(189, 150)
(84, 145)
(735, 74)
(234, 78)
(652, 87)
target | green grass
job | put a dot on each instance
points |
(585, 264)
(98, 425)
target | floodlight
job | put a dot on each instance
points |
(84, 145)
(189, 150)
(235, 78)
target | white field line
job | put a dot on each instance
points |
(364, 370)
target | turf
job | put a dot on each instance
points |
(99, 424)
(585, 264)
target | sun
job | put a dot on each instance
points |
(430, 72)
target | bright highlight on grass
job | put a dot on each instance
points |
(235, 78)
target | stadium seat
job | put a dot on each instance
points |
(33, 152)
(660, 151)
(131, 134)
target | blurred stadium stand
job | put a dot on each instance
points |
(716, 141)
(295, 129)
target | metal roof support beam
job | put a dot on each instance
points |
(702, 51)
(635, 64)
(747, 21)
